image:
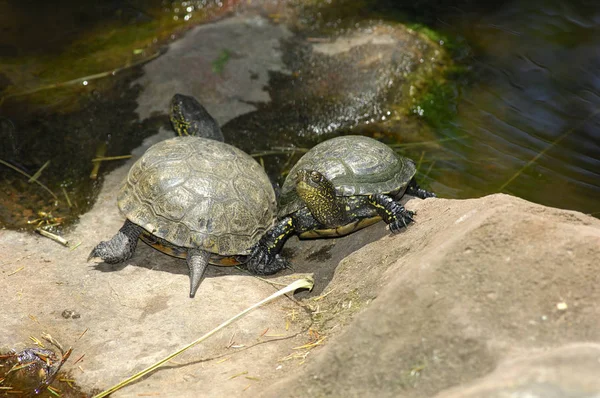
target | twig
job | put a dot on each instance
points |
(67, 197)
(552, 145)
(81, 79)
(52, 236)
(38, 173)
(103, 158)
(299, 284)
(28, 176)
(100, 151)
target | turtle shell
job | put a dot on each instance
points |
(356, 165)
(199, 193)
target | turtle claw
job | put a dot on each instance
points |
(93, 254)
(262, 262)
(402, 220)
(110, 252)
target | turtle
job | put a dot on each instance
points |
(195, 198)
(338, 187)
(189, 117)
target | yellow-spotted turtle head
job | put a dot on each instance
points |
(189, 117)
(318, 194)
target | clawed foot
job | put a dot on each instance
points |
(120, 247)
(402, 220)
(109, 253)
(262, 262)
(414, 190)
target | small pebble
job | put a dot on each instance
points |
(70, 314)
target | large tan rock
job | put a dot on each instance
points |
(473, 283)
(569, 371)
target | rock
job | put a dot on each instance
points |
(271, 87)
(472, 283)
(360, 80)
(568, 371)
(248, 48)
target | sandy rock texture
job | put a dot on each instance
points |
(472, 286)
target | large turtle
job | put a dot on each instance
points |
(339, 186)
(196, 198)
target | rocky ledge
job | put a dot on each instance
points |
(476, 291)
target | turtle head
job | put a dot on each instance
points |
(318, 193)
(189, 117)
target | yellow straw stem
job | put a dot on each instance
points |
(306, 283)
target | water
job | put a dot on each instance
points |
(66, 96)
(531, 115)
(524, 120)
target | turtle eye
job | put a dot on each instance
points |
(315, 176)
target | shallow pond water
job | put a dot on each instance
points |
(524, 118)
(531, 117)
(66, 97)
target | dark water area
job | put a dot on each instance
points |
(530, 114)
(523, 119)
(66, 97)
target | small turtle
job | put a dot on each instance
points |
(196, 198)
(338, 187)
(189, 117)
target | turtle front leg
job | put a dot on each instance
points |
(392, 212)
(264, 258)
(197, 261)
(120, 247)
(414, 189)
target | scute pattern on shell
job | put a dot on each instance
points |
(196, 192)
(357, 165)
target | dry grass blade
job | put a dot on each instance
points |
(406, 144)
(552, 145)
(104, 158)
(30, 177)
(39, 172)
(305, 283)
(79, 80)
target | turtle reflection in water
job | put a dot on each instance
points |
(338, 187)
(194, 198)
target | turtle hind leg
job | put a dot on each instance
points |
(414, 189)
(393, 213)
(197, 261)
(120, 247)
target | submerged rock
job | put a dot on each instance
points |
(365, 76)
(294, 90)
